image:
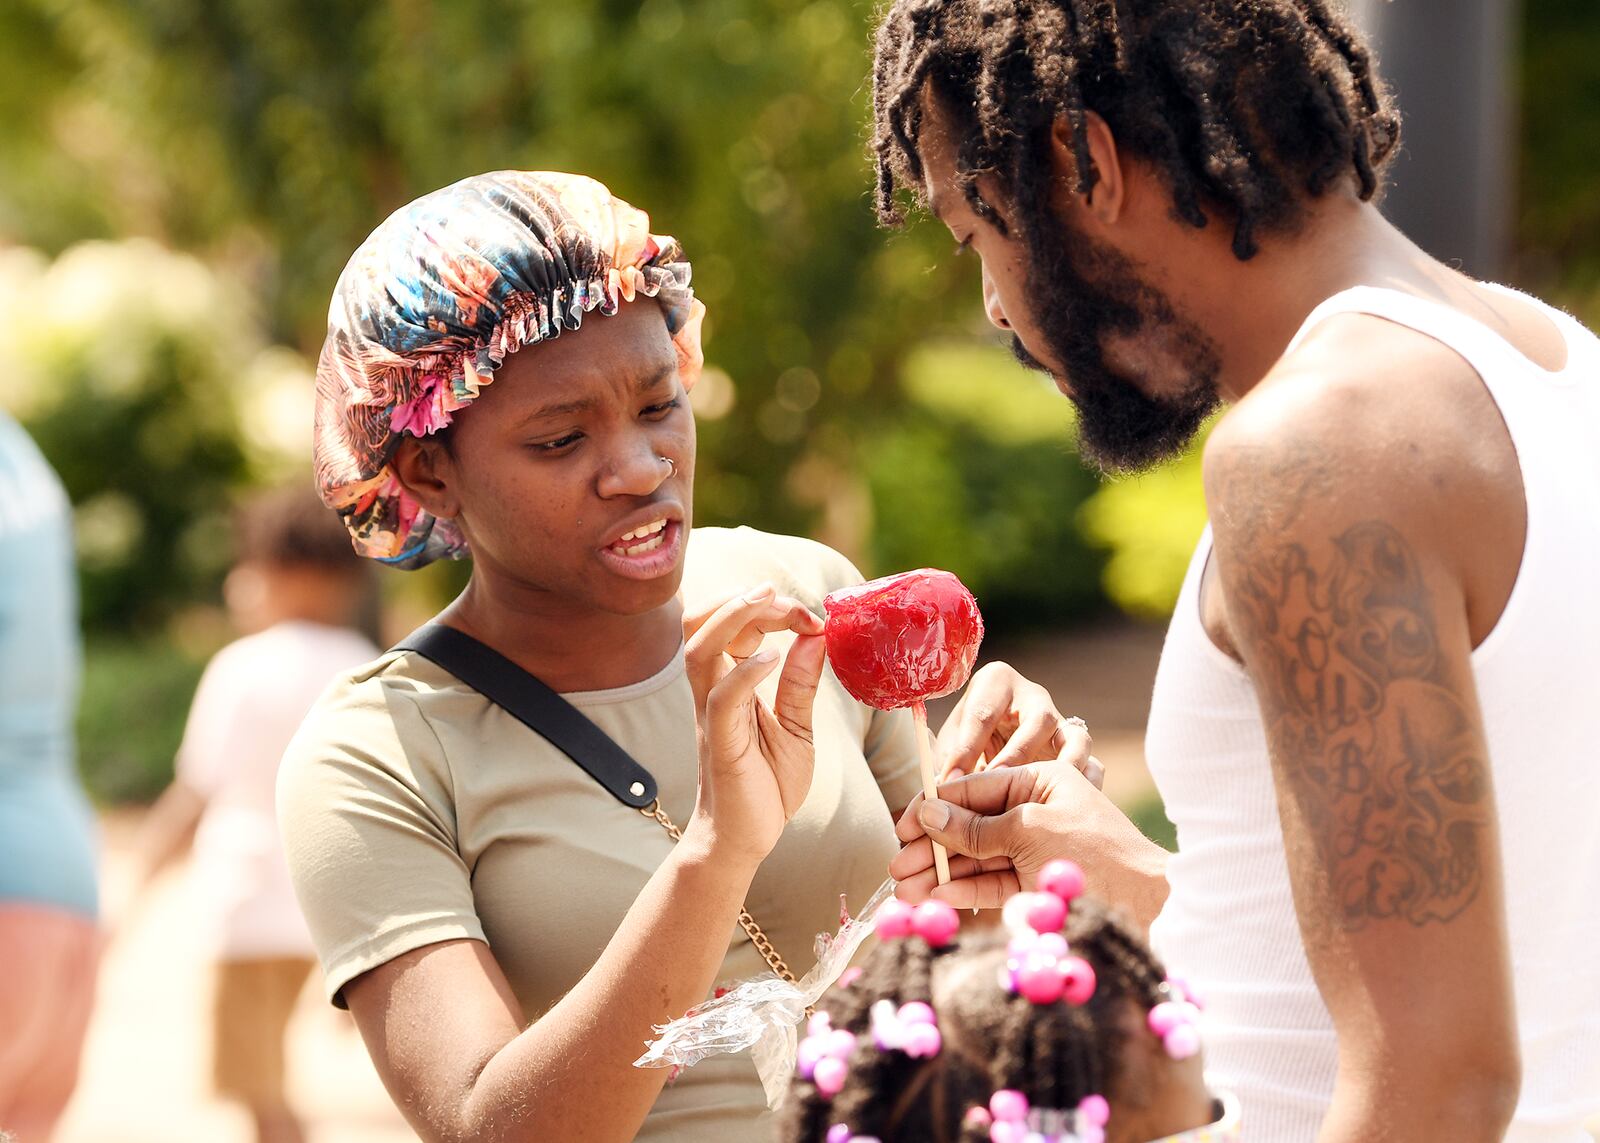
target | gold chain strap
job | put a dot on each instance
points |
(758, 938)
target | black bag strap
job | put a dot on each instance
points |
(537, 707)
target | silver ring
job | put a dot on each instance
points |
(672, 466)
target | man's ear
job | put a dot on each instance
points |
(425, 468)
(1108, 188)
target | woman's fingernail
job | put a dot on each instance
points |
(934, 814)
(763, 656)
(757, 594)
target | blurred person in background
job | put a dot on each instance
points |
(1374, 720)
(294, 592)
(49, 934)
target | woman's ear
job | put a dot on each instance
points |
(427, 470)
(1108, 187)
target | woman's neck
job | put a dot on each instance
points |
(563, 644)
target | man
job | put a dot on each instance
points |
(1374, 718)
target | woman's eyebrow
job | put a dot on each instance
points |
(645, 383)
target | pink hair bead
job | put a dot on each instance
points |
(1164, 1017)
(839, 1044)
(916, 1012)
(839, 1133)
(819, 1024)
(1040, 980)
(1089, 1133)
(894, 919)
(807, 1057)
(1062, 878)
(1182, 1042)
(1051, 944)
(1007, 1131)
(1046, 913)
(1095, 1110)
(922, 1041)
(829, 1076)
(850, 975)
(978, 1117)
(1078, 980)
(1008, 1105)
(1186, 991)
(936, 922)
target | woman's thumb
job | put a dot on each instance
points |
(961, 830)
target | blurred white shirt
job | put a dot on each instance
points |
(252, 698)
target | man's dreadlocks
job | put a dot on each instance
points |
(1246, 106)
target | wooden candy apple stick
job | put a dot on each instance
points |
(930, 784)
(901, 640)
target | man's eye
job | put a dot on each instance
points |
(662, 409)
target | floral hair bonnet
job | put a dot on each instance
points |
(434, 301)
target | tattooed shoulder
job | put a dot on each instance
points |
(1372, 736)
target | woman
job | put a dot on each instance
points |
(504, 930)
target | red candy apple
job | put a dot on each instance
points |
(903, 639)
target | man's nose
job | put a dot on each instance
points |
(991, 304)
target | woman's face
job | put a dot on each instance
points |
(555, 473)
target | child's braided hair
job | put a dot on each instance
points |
(1055, 1054)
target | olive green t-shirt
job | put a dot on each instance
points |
(414, 811)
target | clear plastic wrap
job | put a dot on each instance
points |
(903, 639)
(762, 1014)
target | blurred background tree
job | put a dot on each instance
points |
(227, 155)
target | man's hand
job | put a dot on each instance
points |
(1008, 720)
(1006, 824)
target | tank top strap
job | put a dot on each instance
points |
(1481, 347)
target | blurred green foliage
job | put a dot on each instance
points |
(136, 694)
(133, 368)
(272, 135)
(975, 473)
(1558, 223)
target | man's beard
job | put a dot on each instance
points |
(1081, 294)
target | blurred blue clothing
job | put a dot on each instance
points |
(47, 831)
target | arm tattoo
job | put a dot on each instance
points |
(1378, 749)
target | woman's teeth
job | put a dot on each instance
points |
(642, 540)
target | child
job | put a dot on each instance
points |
(293, 591)
(1063, 1029)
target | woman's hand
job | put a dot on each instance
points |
(1010, 721)
(755, 760)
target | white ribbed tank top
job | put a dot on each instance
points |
(1229, 923)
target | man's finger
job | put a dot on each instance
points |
(961, 831)
(1072, 742)
(972, 724)
(916, 860)
(984, 889)
(1031, 742)
(987, 792)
